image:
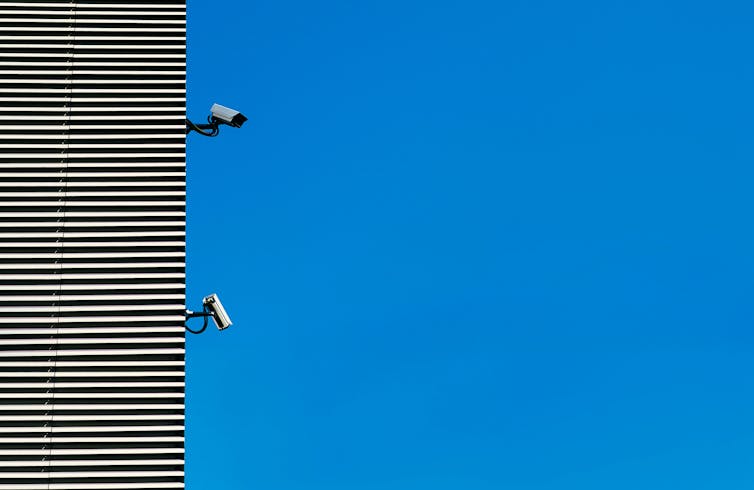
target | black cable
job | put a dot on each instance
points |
(199, 128)
(206, 316)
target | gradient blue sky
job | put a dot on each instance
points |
(473, 245)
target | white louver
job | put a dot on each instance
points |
(92, 244)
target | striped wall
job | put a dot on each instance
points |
(92, 256)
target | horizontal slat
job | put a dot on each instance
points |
(95, 396)
(90, 297)
(91, 452)
(88, 5)
(89, 407)
(92, 287)
(93, 244)
(94, 462)
(84, 429)
(90, 319)
(67, 364)
(68, 265)
(88, 474)
(84, 374)
(91, 486)
(81, 12)
(104, 341)
(90, 224)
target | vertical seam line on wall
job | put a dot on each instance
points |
(64, 191)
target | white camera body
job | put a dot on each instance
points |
(228, 116)
(219, 315)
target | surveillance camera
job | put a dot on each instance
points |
(219, 315)
(228, 116)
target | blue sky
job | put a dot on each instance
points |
(473, 245)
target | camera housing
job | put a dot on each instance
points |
(226, 115)
(213, 305)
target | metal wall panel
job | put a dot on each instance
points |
(92, 244)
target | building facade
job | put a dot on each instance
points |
(92, 244)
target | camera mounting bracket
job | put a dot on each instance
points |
(196, 314)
